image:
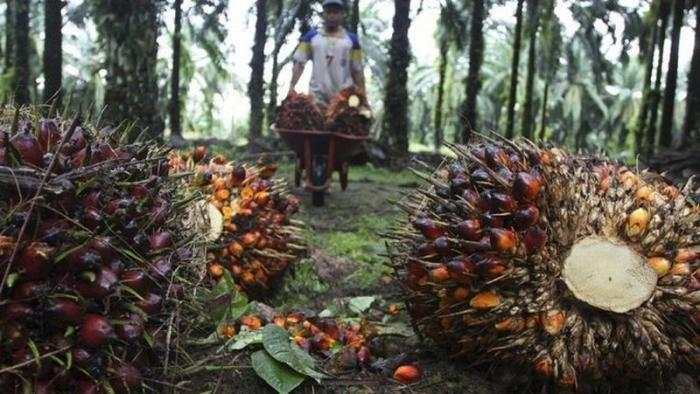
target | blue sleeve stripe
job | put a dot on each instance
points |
(309, 35)
(355, 40)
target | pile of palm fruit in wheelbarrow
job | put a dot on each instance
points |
(347, 113)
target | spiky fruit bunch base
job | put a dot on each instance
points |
(256, 241)
(572, 267)
(88, 251)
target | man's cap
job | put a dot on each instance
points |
(339, 3)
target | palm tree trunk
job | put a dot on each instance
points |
(21, 80)
(175, 103)
(476, 57)
(656, 93)
(543, 118)
(9, 34)
(395, 125)
(131, 89)
(526, 128)
(355, 17)
(444, 46)
(691, 124)
(646, 92)
(272, 101)
(666, 135)
(512, 96)
(53, 51)
(257, 65)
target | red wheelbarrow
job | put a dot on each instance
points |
(319, 154)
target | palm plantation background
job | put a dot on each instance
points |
(594, 75)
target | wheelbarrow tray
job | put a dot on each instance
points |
(346, 145)
(337, 148)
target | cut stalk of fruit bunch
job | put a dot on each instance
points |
(246, 220)
(572, 266)
(86, 265)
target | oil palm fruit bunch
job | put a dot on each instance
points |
(570, 266)
(349, 113)
(250, 213)
(299, 112)
(88, 255)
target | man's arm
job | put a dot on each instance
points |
(297, 70)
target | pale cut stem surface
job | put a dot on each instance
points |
(608, 275)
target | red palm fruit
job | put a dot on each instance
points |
(87, 386)
(17, 311)
(49, 134)
(28, 148)
(95, 331)
(79, 158)
(501, 202)
(199, 153)
(534, 239)
(442, 245)
(92, 218)
(526, 217)
(461, 270)
(139, 192)
(28, 290)
(407, 374)
(480, 175)
(125, 378)
(84, 259)
(102, 152)
(363, 355)
(36, 260)
(470, 229)
(160, 240)
(491, 266)
(426, 249)
(492, 220)
(82, 357)
(238, 175)
(151, 303)
(162, 268)
(503, 240)
(440, 274)
(92, 199)
(135, 279)
(64, 310)
(526, 186)
(428, 228)
(75, 143)
(131, 328)
(496, 157)
(99, 284)
(103, 246)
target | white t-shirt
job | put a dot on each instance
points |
(334, 59)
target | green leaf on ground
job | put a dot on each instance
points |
(277, 343)
(360, 304)
(277, 375)
(244, 339)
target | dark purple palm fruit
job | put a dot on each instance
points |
(28, 147)
(49, 135)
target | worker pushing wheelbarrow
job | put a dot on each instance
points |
(337, 84)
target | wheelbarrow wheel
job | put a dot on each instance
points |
(297, 173)
(344, 176)
(318, 178)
